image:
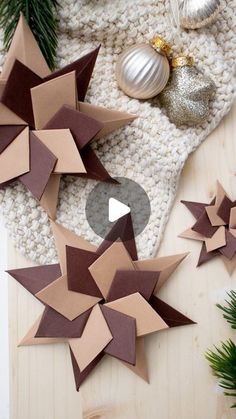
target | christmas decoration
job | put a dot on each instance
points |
(44, 119)
(223, 360)
(41, 18)
(215, 226)
(142, 71)
(198, 13)
(187, 94)
(100, 300)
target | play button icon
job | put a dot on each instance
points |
(108, 202)
(117, 210)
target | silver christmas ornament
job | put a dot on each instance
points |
(187, 95)
(198, 13)
(143, 70)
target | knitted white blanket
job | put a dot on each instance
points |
(151, 151)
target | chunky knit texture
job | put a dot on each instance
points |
(151, 151)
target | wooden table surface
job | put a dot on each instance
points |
(181, 384)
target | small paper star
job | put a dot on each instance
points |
(215, 226)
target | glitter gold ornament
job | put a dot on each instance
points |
(198, 13)
(143, 70)
(187, 95)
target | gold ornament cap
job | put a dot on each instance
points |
(181, 61)
(160, 45)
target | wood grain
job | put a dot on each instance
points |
(181, 384)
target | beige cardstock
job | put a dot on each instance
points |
(232, 219)
(217, 240)
(30, 339)
(140, 368)
(68, 303)
(104, 268)
(61, 143)
(95, 338)
(134, 305)
(191, 234)
(14, 160)
(25, 48)
(111, 119)
(7, 117)
(49, 97)
(166, 265)
(230, 264)
(49, 198)
(212, 209)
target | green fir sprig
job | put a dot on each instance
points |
(230, 310)
(42, 19)
(223, 359)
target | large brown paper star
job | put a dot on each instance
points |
(215, 226)
(45, 126)
(100, 301)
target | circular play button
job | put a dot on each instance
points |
(108, 202)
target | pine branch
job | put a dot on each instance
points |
(41, 17)
(230, 310)
(223, 364)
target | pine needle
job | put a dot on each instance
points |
(42, 19)
(223, 364)
(223, 360)
(230, 310)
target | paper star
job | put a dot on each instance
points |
(45, 127)
(101, 301)
(215, 226)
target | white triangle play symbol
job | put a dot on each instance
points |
(117, 209)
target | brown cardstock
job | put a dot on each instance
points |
(83, 127)
(78, 276)
(229, 249)
(206, 256)
(42, 163)
(7, 134)
(129, 282)
(54, 325)
(80, 376)
(171, 316)
(123, 230)
(204, 227)
(123, 330)
(94, 168)
(63, 237)
(29, 339)
(16, 95)
(36, 278)
(196, 208)
(83, 68)
(225, 209)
